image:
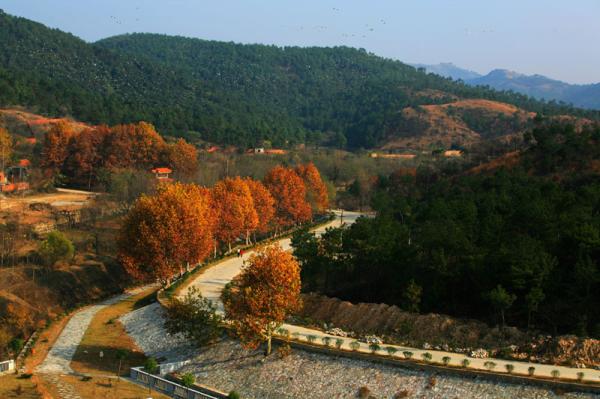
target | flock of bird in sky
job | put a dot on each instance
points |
(369, 28)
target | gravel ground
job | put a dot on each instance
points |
(227, 366)
(145, 326)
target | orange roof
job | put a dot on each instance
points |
(25, 163)
(162, 170)
(276, 151)
(31, 140)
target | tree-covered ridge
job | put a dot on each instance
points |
(225, 92)
(520, 245)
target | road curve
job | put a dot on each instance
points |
(213, 280)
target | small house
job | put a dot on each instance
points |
(162, 174)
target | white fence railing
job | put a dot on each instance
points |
(172, 388)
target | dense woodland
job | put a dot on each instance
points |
(95, 155)
(519, 246)
(225, 92)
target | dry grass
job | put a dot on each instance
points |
(106, 333)
(9, 388)
(107, 389)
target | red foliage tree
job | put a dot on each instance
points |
(235, 206)
(182, 157)
(264, 203)
(263, 295)
(289, 192)
(316, 191)
(134, 145)
(163, 232)
(55, 148)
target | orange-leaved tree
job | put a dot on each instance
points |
(260, 298)
(316, 191)
(55, 148)
(163, 232)
(133, 145)
(182, 157)
(289, 192)
(236, 213)
(264, 203)
(5, 148)
(84, 155)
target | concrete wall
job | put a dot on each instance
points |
(7, 366)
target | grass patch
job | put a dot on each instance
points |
(107, 335)
(110, 389)
(11, 386)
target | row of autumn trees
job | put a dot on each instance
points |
(82, 156)
(183, 224)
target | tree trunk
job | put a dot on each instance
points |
(268, 343)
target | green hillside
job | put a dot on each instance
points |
(224, 92)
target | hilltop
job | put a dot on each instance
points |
(225, 92)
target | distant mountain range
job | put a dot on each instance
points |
(538, 86)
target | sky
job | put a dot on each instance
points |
(556, 38)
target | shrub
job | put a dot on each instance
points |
(284, 332)
(25, 376)
(150, 366)
(326, 341)
(374, 347)
(284, 351)
(407, 354)
(86, 378)
(446, 360)
(402, 394)
(16, 345)
(509, 368)
(555, 374)
(354, 345)
(364, 392)
(426, 356)
(56, 247)
(339, 342)
(188, 379)
(580, 376)
(531, 371)
(234, 395)
(489, 365)
(432, 381)
(195, 317)
(391, 350)
(311, 338)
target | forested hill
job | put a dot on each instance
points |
(225, 92)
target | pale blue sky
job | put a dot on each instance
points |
(557, 38)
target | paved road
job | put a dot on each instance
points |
(211, 283)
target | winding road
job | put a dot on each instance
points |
(212, 281)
